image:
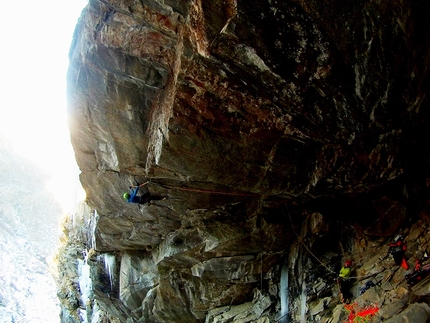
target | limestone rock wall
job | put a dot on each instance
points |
(283, 134)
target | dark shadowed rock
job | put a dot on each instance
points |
(281, 133)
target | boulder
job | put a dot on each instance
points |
(417, 313)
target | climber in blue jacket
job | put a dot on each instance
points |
(132, 197)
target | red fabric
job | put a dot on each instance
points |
(399, 244)
(405, 264)
(402, 245)
(364, 314)
(417, 265)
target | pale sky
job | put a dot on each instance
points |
(35, 39)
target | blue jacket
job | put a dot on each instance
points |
(133, 196)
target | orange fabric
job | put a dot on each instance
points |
(405, 264)
(360, 315)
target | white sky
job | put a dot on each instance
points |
(35, 38)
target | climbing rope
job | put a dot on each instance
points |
(208, 191)
(279, 319)
(316, 258)
(140, 185)
(304, 245)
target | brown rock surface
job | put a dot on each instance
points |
(287, 132)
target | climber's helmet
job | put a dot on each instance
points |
(126, 196)
(348, 263)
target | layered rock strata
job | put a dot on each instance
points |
(283, 134)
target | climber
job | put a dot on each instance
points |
(397, 249)
(343, 281)
(146, 198)
(132, 196)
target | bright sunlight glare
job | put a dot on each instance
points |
(36, 37)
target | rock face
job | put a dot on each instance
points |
(287, 136)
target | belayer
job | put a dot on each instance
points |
(420, 271)
(397, 249)
(344, 282)
(132, 197)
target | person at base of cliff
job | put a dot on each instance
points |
(420, 271)
(145, 198)
(398, 249)
(344, 282)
